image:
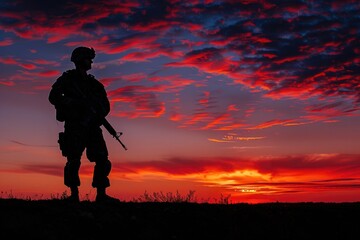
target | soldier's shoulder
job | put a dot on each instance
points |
(93, 78)
(64, 79)
(95, 81)
(67, 75)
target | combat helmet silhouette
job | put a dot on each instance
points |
(81, 53)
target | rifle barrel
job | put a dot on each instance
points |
(112, 131)
(117, 138)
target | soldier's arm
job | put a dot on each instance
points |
(56, 95)
(102, 104)
(102, 101)
(106, 103)
(60, 97)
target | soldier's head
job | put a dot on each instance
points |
(82, 57)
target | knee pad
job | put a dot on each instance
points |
(71, 173)
(103, 167)
(73, 163)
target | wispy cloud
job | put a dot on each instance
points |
(266, 175)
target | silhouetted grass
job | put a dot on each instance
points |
(168, 197)
(176, 197)
(179, 218)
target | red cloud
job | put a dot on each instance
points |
(334, 165)
(132, 42)
(12, 61)
(196, 118)
(142, 99)
(46, 62)
(326, 111)
(272, 123)
(7, 83)
(144, 56)
(6, 42)
(257, 175)
(232, 107)
(49, 73)
(209, 60)
(8, 61)
(31, 22)
(27, 66)
(281, 174)
(219, 120)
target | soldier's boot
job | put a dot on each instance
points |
(102, 197)
(74, 196)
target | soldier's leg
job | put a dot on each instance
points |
(74, 147)
(71, 177)
(101, 181)
(71, 172)
(97, 152)
(102, 170)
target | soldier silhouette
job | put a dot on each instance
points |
(81, 103)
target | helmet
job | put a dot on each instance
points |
(81, 53)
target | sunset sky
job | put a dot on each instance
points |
(257, 100)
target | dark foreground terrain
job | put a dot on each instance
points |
(57, 219)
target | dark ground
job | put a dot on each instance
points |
(58, 219)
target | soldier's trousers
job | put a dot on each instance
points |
(74, 141)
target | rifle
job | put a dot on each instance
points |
(113, 132)
(104, 121)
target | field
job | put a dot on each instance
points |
(57, 219)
